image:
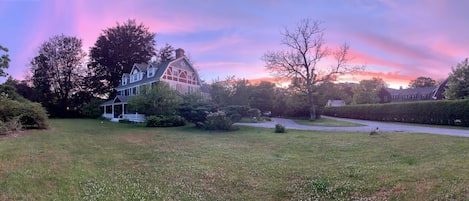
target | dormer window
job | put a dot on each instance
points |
(151, 72)
(124, 81)
(134, 77)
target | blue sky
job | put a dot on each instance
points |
(396, 40)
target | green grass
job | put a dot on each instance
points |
(86, 160)
(326, 122)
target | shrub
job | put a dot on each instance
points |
(15, 114)
(426, 112)
(279, 128)
(236, 109)
(9, 126)
(92, 109)
(254, 113)
(235, 118)
(33, 115)
(165, 121)
(218, 121)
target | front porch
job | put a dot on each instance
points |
(116, 110)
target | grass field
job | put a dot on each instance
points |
(86, 160)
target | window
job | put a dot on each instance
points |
(151, 72)
(124, 81)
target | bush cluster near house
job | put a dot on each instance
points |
(17, 113)
(448, 112)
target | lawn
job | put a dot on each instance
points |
(89, 160)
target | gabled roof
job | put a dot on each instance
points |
(160, 69)
(411, 91)
(117, 99)
(141, 67)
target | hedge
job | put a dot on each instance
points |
(445, 112)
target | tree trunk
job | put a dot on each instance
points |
(312, 110)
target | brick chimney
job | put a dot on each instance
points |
(179, 53)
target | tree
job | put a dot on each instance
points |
(367, 92)
(241, 92)
(331, 91)
(160, 100)
(166, 53)
(58, 71)
(301, 61)
(422, 82)
(115, 52)
(458, 81)
(4, 61)
(262, 96)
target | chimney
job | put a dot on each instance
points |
(179, 53)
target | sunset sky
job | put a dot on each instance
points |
(396, 40)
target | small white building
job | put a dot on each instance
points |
(335, 103)
(178, 73)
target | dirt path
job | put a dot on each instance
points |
(370, 126)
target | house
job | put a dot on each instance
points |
(178, 73)
(335, 103)
(416, 94)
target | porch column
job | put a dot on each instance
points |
(112, 110)
(123, 112)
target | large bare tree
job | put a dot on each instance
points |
(301, 60)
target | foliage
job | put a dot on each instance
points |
(4, 61)
(262, 96)
(194, 108)
(160, 100)
(279, 128)
(115, 52)
(218, 121)
(254, 113)
(367, 91)
(220, 94)
(16, 114)
(236, 109)
(92, 109)
(422, 82)
(301, 62)
(165, 121)
(458, 82)
(166, 53)
(57, 72)
(235, 117)
(22, 88)
(449, 112)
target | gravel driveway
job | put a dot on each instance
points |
(370, 126)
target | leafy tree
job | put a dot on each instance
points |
(458, 81)
(301, 61)
(241, 92)
(262, 96)
(221, 92)
(115, 52)
(58, 72)
(331, 91)
(367, 92)
(166, 53)
(160, 100)
(4, 61)
(422, 82)
(194, 108)
(21, 87)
